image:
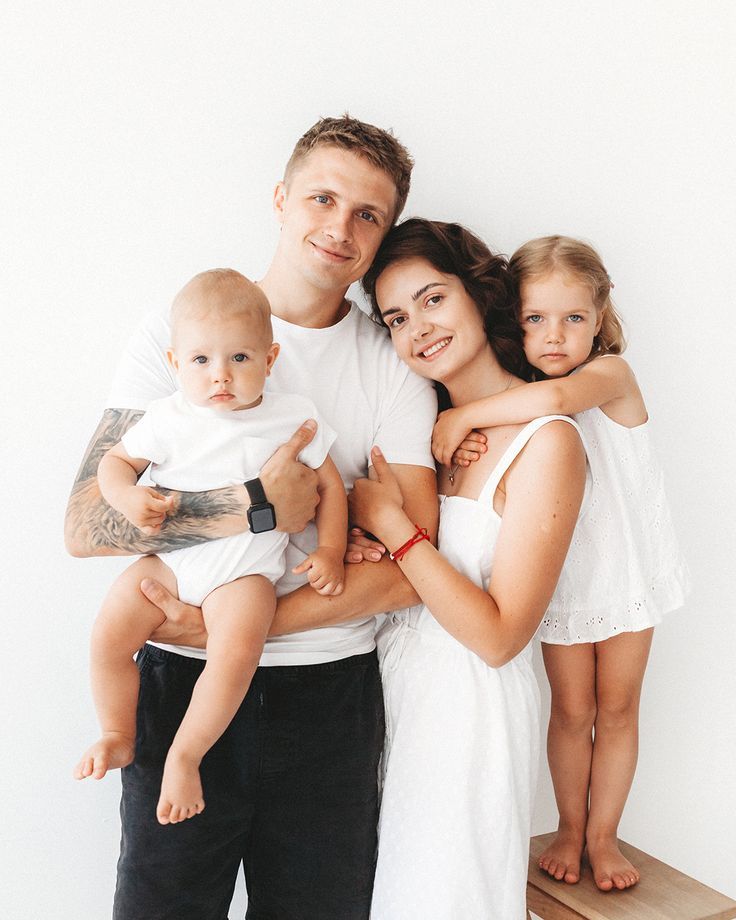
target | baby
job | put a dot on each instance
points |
(219, 429)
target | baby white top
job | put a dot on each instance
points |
(623, 571)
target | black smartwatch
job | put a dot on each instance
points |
(261, 515)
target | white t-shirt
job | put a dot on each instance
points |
(364, 392)
(195, 448)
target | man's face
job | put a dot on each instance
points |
(334, 211)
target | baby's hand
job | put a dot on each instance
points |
(144, 507)
(325, 570)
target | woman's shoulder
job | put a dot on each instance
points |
(552, 441)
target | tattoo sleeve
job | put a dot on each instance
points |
(93, 528)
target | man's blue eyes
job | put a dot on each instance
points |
(364, 215)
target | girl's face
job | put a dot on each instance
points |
(435, 325)
(559, 321)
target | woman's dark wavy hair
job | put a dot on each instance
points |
(454, 250)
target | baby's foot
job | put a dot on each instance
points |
(561, 859)
(611, 869)
(181, 790)
(110, 752)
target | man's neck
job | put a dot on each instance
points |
(298, 302)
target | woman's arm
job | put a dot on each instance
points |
(602, 382)
(544, 489)
(93, 528)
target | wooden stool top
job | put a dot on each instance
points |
(662, 894)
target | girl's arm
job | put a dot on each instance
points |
(606, 382)
(544, 489)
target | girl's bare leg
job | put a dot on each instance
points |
(571, 674)
(237, 616)
(620, 665)
(122, 626)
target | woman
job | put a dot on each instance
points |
(461, 697)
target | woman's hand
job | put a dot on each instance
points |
(361, 548)
(376, 504)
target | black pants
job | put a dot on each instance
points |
(290, 791)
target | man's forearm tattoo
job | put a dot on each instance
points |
(98, 527)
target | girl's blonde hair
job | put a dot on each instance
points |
(577, 260)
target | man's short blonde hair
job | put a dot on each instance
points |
(376, 145)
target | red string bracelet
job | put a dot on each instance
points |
(421, 534)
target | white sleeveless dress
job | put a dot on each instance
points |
(462, 748)
(623, 570)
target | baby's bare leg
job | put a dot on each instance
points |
(123, 624)
(237, 616)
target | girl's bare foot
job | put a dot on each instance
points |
(611, 869)
(181, 790)
(561, 859)
(112, 751)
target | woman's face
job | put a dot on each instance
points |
(435, 325)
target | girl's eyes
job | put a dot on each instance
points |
(240, 357)
(533, 318)
(575, 318)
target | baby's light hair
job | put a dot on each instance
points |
(577, 260)
(222, 293)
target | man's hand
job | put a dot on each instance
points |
(184, 624)
(290, 486)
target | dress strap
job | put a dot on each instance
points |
(513, 451)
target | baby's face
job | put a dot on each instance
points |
(222, 362)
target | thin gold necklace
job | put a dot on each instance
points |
(455, 468)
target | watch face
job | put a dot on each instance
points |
(261, 519)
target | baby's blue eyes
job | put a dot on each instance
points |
(202, 359)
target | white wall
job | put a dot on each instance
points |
(143, 141)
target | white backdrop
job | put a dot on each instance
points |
(141, 144)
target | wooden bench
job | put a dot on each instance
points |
(662, 894)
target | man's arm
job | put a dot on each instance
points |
(93, 528)
(369, 588)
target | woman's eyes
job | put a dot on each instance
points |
(433, 300)
(396, 321)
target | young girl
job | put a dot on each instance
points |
(623, 570)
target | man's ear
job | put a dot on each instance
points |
(279, 199)
(171, 355)
(273, 353)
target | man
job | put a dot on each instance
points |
(291, 787)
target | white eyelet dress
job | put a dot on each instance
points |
(462, 748)
(623, 570)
